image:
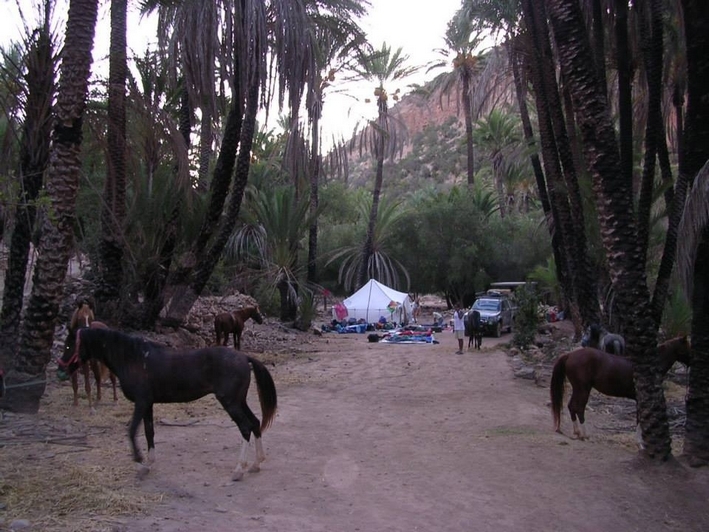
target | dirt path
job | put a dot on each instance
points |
(373, 437)
(376, 437)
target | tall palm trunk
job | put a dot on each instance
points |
(34, 157)
(696, 441)
(694, 154)
(558, 197)
(37, 331)
(618, 227)
(368, 248)
(520, 89)
(652, 38)
(314, 198)
(468, 114)
(113, 209)
(625, 91)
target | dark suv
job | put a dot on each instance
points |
(497, 312)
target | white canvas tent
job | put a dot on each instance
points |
(374, 300)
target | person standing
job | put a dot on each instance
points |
(416, 310)
(459, 327)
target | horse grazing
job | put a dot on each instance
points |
(83, 317)
(598, 338)
(473, 328)
(150, 373)
(610, 374)
(233, 322)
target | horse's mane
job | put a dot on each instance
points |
(125, 346)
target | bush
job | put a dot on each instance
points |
(306, 310)
(527, 318)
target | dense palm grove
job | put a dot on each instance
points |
(574, 157)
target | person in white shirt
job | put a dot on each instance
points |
(459, 327)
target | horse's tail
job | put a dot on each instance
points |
(618, 347)
(557, 389)
(266, 392)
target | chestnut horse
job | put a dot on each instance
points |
(233, 322)
(610, 374)
(83, 317)
(152, 373)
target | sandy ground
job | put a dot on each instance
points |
(376, 437)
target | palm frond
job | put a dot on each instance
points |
(694, 224)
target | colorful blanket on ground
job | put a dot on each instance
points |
(410, 337)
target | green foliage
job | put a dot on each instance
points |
(267, 296)
(383, 265)
(677, 318)
(547, 282)
(306, 310)
(527, 318)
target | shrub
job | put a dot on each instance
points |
(527, 318)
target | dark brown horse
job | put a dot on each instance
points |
(473, 328)
(152, 373)
(612, 375)
(233, 323)
(84, 317)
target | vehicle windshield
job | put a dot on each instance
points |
(487, 304)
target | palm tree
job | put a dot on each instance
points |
(286, 25)
(113, 208)
(618, 226)
(271, 236)
(57, 224)
(695, 232)
(382, 264)
(462, 39)
(692, 254)
(498, 134)
(338, 38)
(382, 67)
(39, 73)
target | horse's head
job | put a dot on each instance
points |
(592, 336)
(83, 315)
(70, 360)
(256, 315)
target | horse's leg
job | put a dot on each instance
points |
(149, 433)
(237, 340)
(577, 408)
(96, 370)
(138, 414)
(75, 387)
(87, 385)
(256, 429)
(247, 422)
(113, 383)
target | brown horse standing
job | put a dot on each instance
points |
(612, 375)
(233, 322)
(82, 318)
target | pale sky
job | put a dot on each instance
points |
(417, 26)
